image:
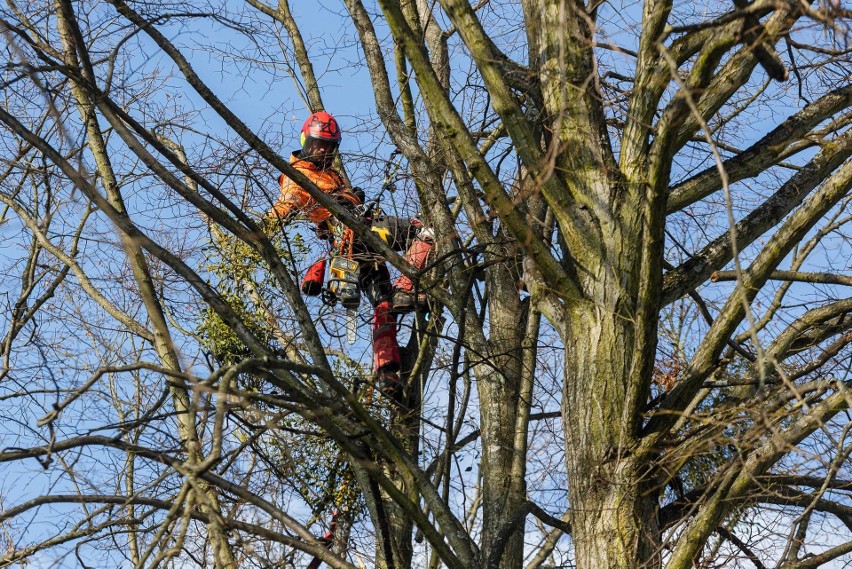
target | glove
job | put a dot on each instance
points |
(349, 198)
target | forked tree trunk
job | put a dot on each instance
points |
(610, 219)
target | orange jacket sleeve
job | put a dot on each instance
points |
(293, 198)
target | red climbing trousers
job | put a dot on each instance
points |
(385, 346)
(405, 299)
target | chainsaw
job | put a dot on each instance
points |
(343, 273)
(343, 287)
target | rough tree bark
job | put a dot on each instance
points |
(549, 183)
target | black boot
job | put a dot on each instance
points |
(405, 301)
(389, 384)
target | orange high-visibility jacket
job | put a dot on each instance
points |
(294, 198)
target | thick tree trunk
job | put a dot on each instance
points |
(610, 219)
(499, 381)
(503, 489)
(613, 505)
(406, 427)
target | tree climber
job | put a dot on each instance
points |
(320, 139)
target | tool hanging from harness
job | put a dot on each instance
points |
(343, 273)
(343, 282)
(344, 270)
